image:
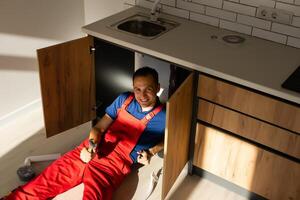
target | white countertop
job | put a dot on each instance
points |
(256, 63)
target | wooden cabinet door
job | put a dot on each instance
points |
(251, 167)
(67, 84)
(177, 133)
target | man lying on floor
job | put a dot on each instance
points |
(131, 131)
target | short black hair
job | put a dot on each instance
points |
(145, 71)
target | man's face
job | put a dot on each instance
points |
(145, 89)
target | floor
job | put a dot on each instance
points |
(136, 185)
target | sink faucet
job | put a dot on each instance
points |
(153, 13)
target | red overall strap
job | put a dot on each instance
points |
(126, 102)
(150, 115)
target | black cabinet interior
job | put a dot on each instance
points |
(177, 76)
(293, 82)
(114, 67)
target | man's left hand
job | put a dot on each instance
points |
(144, 157)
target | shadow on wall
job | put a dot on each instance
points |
(25, 27)
(55, 19)
(18, 63)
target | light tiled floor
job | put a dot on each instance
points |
(135, 186)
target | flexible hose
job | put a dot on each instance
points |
(40, 158)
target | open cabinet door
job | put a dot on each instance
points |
(67, 84)
(177, 133)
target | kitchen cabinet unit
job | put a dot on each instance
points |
(67, 73)
(236, 122)
(248, 138)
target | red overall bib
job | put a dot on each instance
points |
(103, 174)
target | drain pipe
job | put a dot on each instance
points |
(26, 172)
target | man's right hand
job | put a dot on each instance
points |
(86, 156)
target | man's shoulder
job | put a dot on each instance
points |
(122, 97)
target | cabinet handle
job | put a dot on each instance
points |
(92, 49)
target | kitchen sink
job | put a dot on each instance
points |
(141, 26)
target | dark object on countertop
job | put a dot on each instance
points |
(234, 39)
(293, 82)
(26, 173)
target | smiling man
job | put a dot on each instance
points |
(131, 131)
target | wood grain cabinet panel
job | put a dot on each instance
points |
(177, 133)
(67, 84)
(255, 169)
(250, 128)
(263, 107)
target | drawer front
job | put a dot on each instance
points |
(250, 128)
(262, 107)
(255, 169)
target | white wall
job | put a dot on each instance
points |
(99, 9)
(26, 25)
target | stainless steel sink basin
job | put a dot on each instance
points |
(141, 26)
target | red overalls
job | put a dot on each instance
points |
(103, 174)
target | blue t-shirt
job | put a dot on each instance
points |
(154, 132)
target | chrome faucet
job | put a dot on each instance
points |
(154, 13)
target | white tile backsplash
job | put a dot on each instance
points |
(288, 7)
(253, 21)
(235, 27)
(236, 15)
(213, 3)
(176, 11)
(287, 1)
(257, 3)
(190, 6)
(223, 14)
(268, 35)
(168, 2)
(239, 8)
(295, 42)
(296, 21)
(165, 2)
(204, 19)
(144, 3)
(287, 30)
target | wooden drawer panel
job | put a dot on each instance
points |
(253, 129)
(263, 107)
(246, 165)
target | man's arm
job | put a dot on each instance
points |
(100, 128)
(144, 157)
(157, 148)
(95, 136)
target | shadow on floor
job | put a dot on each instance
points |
(36, 144)
(128, 188)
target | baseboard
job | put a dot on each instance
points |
(20, 111)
